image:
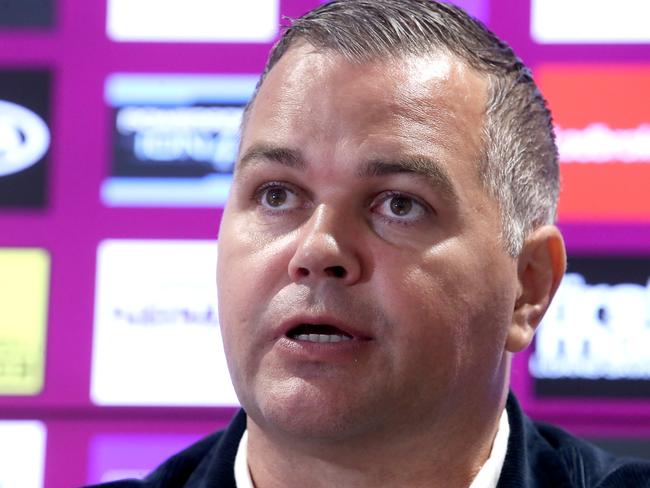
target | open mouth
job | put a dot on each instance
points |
(320, 333)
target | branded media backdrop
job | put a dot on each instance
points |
(118, 133)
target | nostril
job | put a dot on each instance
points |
(336, 271)
(302, 272)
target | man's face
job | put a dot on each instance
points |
(362, 284)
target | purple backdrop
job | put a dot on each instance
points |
(81, 58)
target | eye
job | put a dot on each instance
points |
(399, 207)
(276, 196)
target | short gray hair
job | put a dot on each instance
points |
(519, 167)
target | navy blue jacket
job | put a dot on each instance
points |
(538, 456)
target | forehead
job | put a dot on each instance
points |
(315, 98)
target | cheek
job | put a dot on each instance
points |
(459, 311)
(248, 260)
(250, 271)
(236, 283)
(428, 310)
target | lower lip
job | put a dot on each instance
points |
(322, 351)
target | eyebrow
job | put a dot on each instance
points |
(281, 155)
(421, 166)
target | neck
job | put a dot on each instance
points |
(448, 453)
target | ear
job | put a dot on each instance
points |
(540, 268)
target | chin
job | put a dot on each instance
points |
(300, 409)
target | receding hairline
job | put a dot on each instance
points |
(397, 56)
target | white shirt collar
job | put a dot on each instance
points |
(487, 477)
(242, 474)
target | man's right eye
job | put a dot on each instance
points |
(277, 197)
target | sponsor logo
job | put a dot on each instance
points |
(599, 143)
(594, 329)
(175, 138)
(24, 283)
(153, 315)
(602, 117)
(157, 326)
(202, 134)
(24, 138)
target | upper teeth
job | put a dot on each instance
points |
(322, 337)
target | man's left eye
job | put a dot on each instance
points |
(399, 206)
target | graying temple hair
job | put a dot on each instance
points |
(519, 167)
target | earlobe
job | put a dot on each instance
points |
(540, 268)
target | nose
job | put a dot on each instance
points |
(326, 250)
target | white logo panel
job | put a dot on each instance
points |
(590, 21)
(192, 20)
(156, 334)
(594, 331)
(22, 453)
